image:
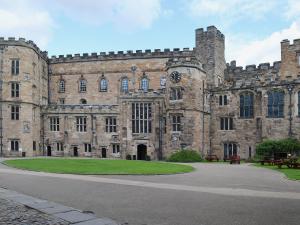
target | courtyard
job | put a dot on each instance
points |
(214, 193)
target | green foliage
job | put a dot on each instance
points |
(185, 156)
(269, 147)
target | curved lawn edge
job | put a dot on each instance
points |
(288, 173)
(98, 166)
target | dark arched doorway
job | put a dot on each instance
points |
(75, 151)
(48, 150)
(103, 152)
(141, 152)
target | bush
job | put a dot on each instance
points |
(128, 157)
(271, 147)
(185, 156)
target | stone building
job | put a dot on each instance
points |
(144, 104)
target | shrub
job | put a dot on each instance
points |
(185, 156)
(128, 157)
(271, 147)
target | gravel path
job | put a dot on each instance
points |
(12, 213)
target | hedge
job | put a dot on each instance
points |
(271, 147)
(185, 156)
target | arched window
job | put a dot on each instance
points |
(275, 103)
(82, 85)
(230, 149)
(103, 85)
(61, 86)
(83, 101)
(246, 105)
(145, 84)
(124, 85)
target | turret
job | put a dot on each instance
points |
(210, 48)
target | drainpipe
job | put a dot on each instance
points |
(290, 90)
(203, 99)
(160, 134)
(1, 119)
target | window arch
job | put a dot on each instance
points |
(144, 84)
(82, 85)
(103, 85)
(61, 86)
(124, 84)
(246, 105)
(83, 101)
(275, 103)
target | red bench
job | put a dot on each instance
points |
(235, 159)
(211, 158)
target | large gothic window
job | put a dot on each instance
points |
(124, 85)
(275, 103)
(246, 105)
(141, 118)
(103, 85)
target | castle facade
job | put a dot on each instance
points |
(144, 104)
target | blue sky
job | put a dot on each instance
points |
(253, 28)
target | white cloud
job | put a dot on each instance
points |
(230, 10)
(24, 19)
(260, 51)
(124, 14)
(292, 9)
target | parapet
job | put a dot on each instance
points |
(24, 43)
(210, 31)
(184, 61)
(157, 53)
(250, 71)
(286, 44)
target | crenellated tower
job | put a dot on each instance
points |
(24, 90)
(210, 51)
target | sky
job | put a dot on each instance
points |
(253, 29)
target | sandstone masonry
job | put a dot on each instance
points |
(144, 104)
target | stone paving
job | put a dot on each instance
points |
(20, 209)
(17, 214)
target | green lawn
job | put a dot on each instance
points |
(293, 174)
(98, 166)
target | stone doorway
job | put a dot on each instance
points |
(49, 151)
(75, 151)
(141, 152)
(103, 152)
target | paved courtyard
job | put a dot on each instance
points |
(214, 194)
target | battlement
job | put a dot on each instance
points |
(210, 31)
(184, 61)
(25, 43)
(287, 43)
(262, 67)
(148, 53)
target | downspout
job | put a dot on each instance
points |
(203, 117)
(290, 90)
(1, 119)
